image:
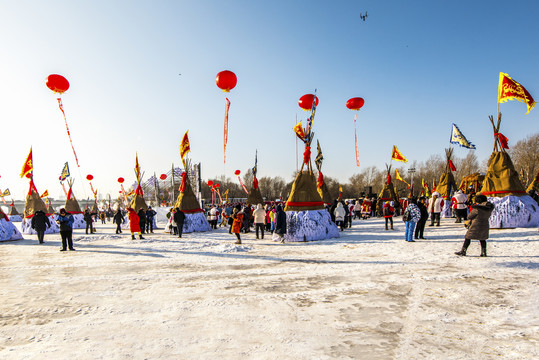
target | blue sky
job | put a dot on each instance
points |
(419, 65)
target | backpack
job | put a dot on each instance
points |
(407, 216)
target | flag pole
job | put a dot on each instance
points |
(296, 144)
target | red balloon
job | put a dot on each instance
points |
(121, 180)
(237, 172)
(226, 80)
(210, 183)
(306, 101)
(57, 83)
(355, 103)
(163, 177)
(89, 177)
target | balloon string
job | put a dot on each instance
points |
(355, 133)
(68, 133)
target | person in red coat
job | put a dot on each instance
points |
(134, 223)
(388, 212)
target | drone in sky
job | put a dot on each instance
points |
(363, 17)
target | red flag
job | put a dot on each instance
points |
(503, 140)
(227, 106)
(509, 89)
(397, 155)
(451, 165)
(320, 179)
(184, 146)
(255, 183)
(28, 166)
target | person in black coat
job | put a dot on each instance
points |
(40, 223)
(420, 227)
(179, 219)
(332, 210)
(142, 220)
(280, 223)
(89, 221)
(150, 213)
(118, 219)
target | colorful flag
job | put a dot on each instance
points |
(340, 188)
(319, 156)
(184, 146)
(255, 168)
(28, 166)
(6, 193)
(65, 172)
(131, 193)
(509, 89)
(458, 138)
(137, 169)
(298, 129)
(45, 194)
(397, 155)
(227, 107)
(399, 177)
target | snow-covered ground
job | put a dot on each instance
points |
(365, 295)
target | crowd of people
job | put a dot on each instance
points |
(474, 210)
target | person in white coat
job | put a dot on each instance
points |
(459, 203)
(339, 213)
(436, 205)
(259, 216)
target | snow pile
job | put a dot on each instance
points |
(446, 211)
(78, 221)
(15, 218)
(8, 231)
(514, 211)
(26, 227)
(194, 222)
(308, 225)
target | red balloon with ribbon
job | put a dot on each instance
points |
(90, 177)
(355, 104)
(59, 85)
(237, 173)
(121, 181)
(226, 80)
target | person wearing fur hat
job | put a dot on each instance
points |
(478, 226)
(134, 223)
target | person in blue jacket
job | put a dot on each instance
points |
(66, 229)
(150, 214)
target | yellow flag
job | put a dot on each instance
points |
(509, 89)
(340, 188)
(397, 155)
(298, 129)
(399, 177)
(45, 194)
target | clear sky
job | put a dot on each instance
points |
(419, 65)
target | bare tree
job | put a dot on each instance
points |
(525, 156)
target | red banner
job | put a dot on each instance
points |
(509, 89)
(68, 133)
(355, 133)
(227, 106)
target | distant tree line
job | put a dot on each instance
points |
(525, 156)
